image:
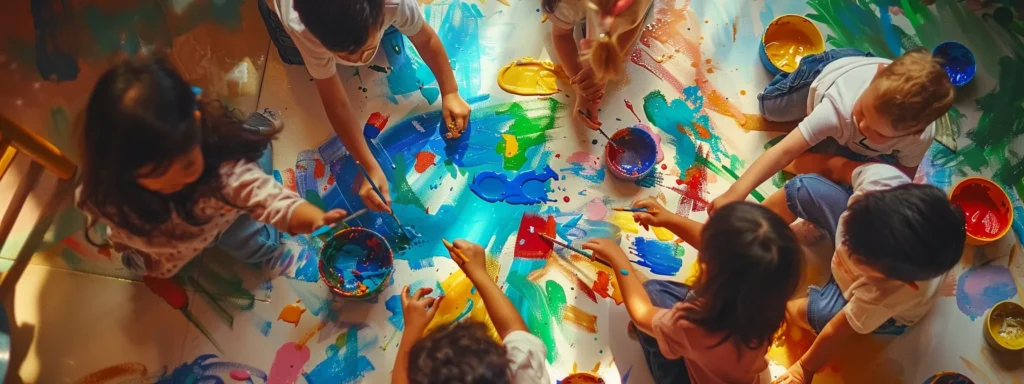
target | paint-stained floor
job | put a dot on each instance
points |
(692, 80)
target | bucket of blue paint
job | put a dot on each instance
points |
(958, 61)
(787, 40)
(631, 154)
(356, 263)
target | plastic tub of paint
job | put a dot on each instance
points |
(356, 263)
(631, 154)
(1004, 326)
(582, 378)
(787, 40)
(958, 61)
(948, 378)
(986, 208)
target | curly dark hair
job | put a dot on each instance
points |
(461, 353)
(142, 112)
(341, 26)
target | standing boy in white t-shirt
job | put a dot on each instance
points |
(858, 106)
(464, 352)
(323, 34)
(895, 242)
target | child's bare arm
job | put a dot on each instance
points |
(771, 162)
(307, 218)
(566, 51)
(837, 333)
(430, 48)
(658, 216)
(504, 315)
(638, 304)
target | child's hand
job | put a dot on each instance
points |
(333, 216)
(608, 251)
(796, 374)
(726, 198)
(456, 114)
(370, 197)
(656, 214)
(587, 86)
(476, 258)
(418, 310)
(586, 112)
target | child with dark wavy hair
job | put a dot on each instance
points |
(718, 329)
(465, 352)
(171, 174)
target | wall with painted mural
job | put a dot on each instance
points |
(691, 81)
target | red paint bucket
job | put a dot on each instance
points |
(631, 154)
(986, 207)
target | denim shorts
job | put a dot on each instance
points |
(821, 202)
(785, 97)
(285, 46)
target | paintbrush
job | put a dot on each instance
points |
(381, 195)
(610, 141)
(455, 252)
(574, 249)
(635, 210)
(323, 230)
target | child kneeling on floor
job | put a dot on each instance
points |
(171, 174)
(895, 242)
(718, 329)
(852, 104)
(464, 352)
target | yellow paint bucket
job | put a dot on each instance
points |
(787, 40)
(1004, 326)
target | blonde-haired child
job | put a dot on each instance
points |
(856, 105)
(611, 28)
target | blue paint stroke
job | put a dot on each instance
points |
(263, 326)
(625, 377)
(408, 71)
(980, 288)
(460, 34)
(526, 188)
(203, 370)
(661, 258)
(315, 301)
(394, 305)
(55, 57)
(308, 269)
(341, 366)
(564, 229)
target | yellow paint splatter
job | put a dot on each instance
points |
(458, 296)
(663, 234)
(580, 318)
(743, 92)
(543, 18)
(291, 313)
(511, 145)
(530, 77)
(624, 220)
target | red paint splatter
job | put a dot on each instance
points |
(664, 167)
(558, 155)
(173, 293)
(565, 199)
(630, 107)
(694, 197)
(602, 284)
(424, 160)
(679, 181)
(319, 170)
(586, 290)
(529, 245)
(330, 179)
(378, 120)
(288, 179)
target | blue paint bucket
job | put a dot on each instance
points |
(958, 61)
(631, 154)
(356, 263)
(787, 40)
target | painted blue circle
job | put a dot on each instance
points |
(633, 154)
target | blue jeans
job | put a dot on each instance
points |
(285, 46)
(785, 97)
(821, 202)
(664, 294)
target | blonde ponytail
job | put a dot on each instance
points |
(605, 58)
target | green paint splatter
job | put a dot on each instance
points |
(529, 127)
(556, 297)
(403, 192)
(529, 299)
(854, 24)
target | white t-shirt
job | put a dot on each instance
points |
(872, 301)
(830, 112)
(321, 63)
(526, 354)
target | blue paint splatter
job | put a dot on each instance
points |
(308, 268)
(408, 71)
(460, 34)
(980, 288)
(662, 258)
(394, 305)
(341, 366)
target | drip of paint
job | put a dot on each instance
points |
(629, 106)
(530, 77)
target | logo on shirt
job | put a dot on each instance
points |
(864, 143)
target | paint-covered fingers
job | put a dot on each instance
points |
(456, 114)
(609, 251)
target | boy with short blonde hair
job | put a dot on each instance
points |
(853, 104)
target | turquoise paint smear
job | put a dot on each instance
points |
(394, 305)
(672, 119)
(342, 366)
(661, 258)
(308, 269)
(408, 71)
(55, 57)
(530, 300)
(460, 33)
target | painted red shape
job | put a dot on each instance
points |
(330, 179)
(319, 170)
(378, 120)
(565, 199)
(529, 245)
(173, 293)
(984, 217)
(586, 290)
(424, 160)
(630, 106)
(288, 179)
(603, 282)
(288, 363)
(239, 375)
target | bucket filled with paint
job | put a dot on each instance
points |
(631, 154)
(986, 208)
(948, 378)
(958, 61)
(787, 40)
(1004, 327)
(582, 378)
(356, 263)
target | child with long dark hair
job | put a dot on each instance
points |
(171, 174)
(718, 329)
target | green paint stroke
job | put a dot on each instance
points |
(556, 297)
(531, 121)
(854, 24)
(538, 317)
(404, 194)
